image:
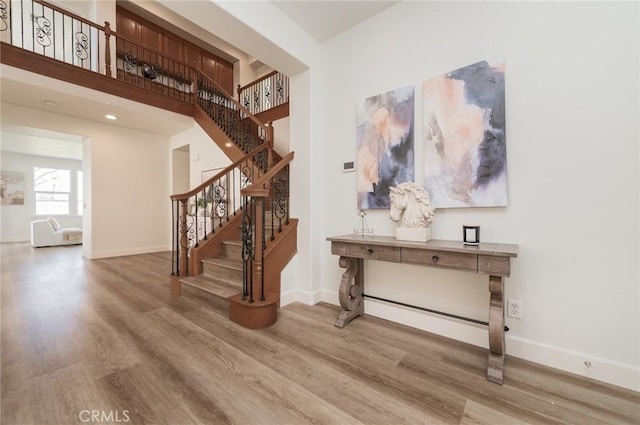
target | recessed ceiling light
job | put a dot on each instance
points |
(50, 103)
(228, 145)
(111, 117)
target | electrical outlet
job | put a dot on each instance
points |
(514, 309)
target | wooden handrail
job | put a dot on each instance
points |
(67, 13)
(240, 107)
(197, 189)
(269, 75)
(152, 50)
(257, 188)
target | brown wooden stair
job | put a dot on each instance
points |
(221, 277)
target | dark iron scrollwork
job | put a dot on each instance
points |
(246, 175)
(267, 96)
(246, 102)
(256, 99)
(247, 252)
(42, 31)
(188, 228)
(280, 200)
(82, 46)
(4, 16)
(130, 63)
(280, 89)
(262, 158)
(219, 199)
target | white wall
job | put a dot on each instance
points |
(203, 152)
(16, 219)
(127, 182)
(281, 136)
(572, 147)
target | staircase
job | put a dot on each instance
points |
(221, 276)
(227, 245)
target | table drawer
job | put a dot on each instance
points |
(499, 266)
(368, 252)
(454, 260)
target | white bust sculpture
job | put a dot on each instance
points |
(411, 206)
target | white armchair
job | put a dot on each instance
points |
(49, 233)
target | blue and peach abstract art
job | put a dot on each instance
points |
(465, 163)
(385, 147)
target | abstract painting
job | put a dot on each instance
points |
(11, 188)
(385, 151)
(465, 162)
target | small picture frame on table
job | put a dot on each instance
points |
(471, 235)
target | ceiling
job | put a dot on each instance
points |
(324, 20)
(38, 92)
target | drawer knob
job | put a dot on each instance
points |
(435, 258)
(369, 250)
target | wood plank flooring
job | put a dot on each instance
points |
(106, 338)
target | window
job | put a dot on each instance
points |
(53, 190)
(80, 193)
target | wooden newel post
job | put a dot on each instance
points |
(270, 133)
(184, 238)
(270, 142)
(107, 48)
(258, 271)
(239, 91)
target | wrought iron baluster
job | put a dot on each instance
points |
(174, 227)
(263, 247)
(247, 251)
(5, 13)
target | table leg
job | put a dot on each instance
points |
(350, 292)
(496, 330)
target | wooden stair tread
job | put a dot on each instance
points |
(218, 287)
(230, 263)
(233, 242)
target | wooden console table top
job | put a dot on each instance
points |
(493, 259)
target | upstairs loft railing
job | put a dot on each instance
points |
(265, 93)
(48, 30)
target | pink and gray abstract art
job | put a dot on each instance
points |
(465, 163)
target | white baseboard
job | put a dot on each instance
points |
(305, 297)
(123, 252)
(600, 369)
(16, 239)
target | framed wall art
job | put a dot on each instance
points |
(385, 146)
(465, 162)
(11, 188)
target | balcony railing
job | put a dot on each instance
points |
(45, 29)
(265, 93)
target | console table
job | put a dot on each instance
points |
(492, 259)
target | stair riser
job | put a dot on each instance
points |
(232, 251)
(219, 304)
(221, 272)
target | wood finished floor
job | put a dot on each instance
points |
(107, 336)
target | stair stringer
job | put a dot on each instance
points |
(219, 137)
